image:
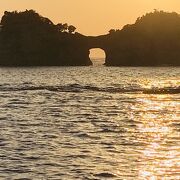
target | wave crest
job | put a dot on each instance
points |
(80, 88)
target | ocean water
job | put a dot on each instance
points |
(90, 123)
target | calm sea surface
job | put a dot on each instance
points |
(89, 123)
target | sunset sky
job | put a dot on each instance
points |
(91, 17)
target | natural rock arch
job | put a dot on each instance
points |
(98, 42)
(152, 41)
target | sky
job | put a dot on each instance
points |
(91, 17)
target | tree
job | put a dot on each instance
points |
(112, 31)
(71, 29)
(65, 27)
(60, 27)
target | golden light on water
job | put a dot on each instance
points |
(160, 83)
(161, 155)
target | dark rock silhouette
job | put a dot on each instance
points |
(28, 39)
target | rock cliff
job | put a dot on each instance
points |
(28, 39)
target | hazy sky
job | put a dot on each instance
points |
(91, 17)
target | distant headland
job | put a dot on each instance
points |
(28, 39)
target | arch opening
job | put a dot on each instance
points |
(97, 56)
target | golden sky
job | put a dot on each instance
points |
(91, 17)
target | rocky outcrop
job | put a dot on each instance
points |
(154, 40)
(28, 39)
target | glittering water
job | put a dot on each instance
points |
(89, 123)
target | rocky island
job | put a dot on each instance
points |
(28, 39)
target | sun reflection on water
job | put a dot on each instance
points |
(149, 84)
(160, 157)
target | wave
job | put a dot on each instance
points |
(80, 88)
(105, 175)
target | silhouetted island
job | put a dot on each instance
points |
(28, 39)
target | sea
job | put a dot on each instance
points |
(90, 123)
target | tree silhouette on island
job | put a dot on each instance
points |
(28, 39)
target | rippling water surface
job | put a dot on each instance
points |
(90, 123)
